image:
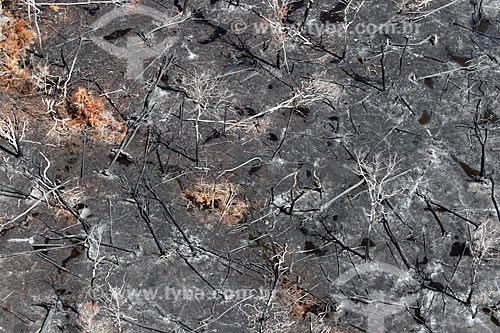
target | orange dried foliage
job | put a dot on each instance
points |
(223, 200)
(88, 111)
(300, 300)
(90, 321)
(17, 38)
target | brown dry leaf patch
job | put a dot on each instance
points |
(223, 201)
(17, 38)
(299, 299)
(87, 111)
(90, 321)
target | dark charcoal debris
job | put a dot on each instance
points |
(249, 166)
(117, 34)
(459, 249)
(336, 14)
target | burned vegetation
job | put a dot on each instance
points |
(249, 166)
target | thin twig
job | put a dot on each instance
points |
(330, 202)
(65, 86)
(45, 196)
(146, 110)
(239, 166)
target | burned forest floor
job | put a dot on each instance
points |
(250, 166)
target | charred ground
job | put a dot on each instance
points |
(270, 146)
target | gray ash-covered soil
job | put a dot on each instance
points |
(286, 169)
